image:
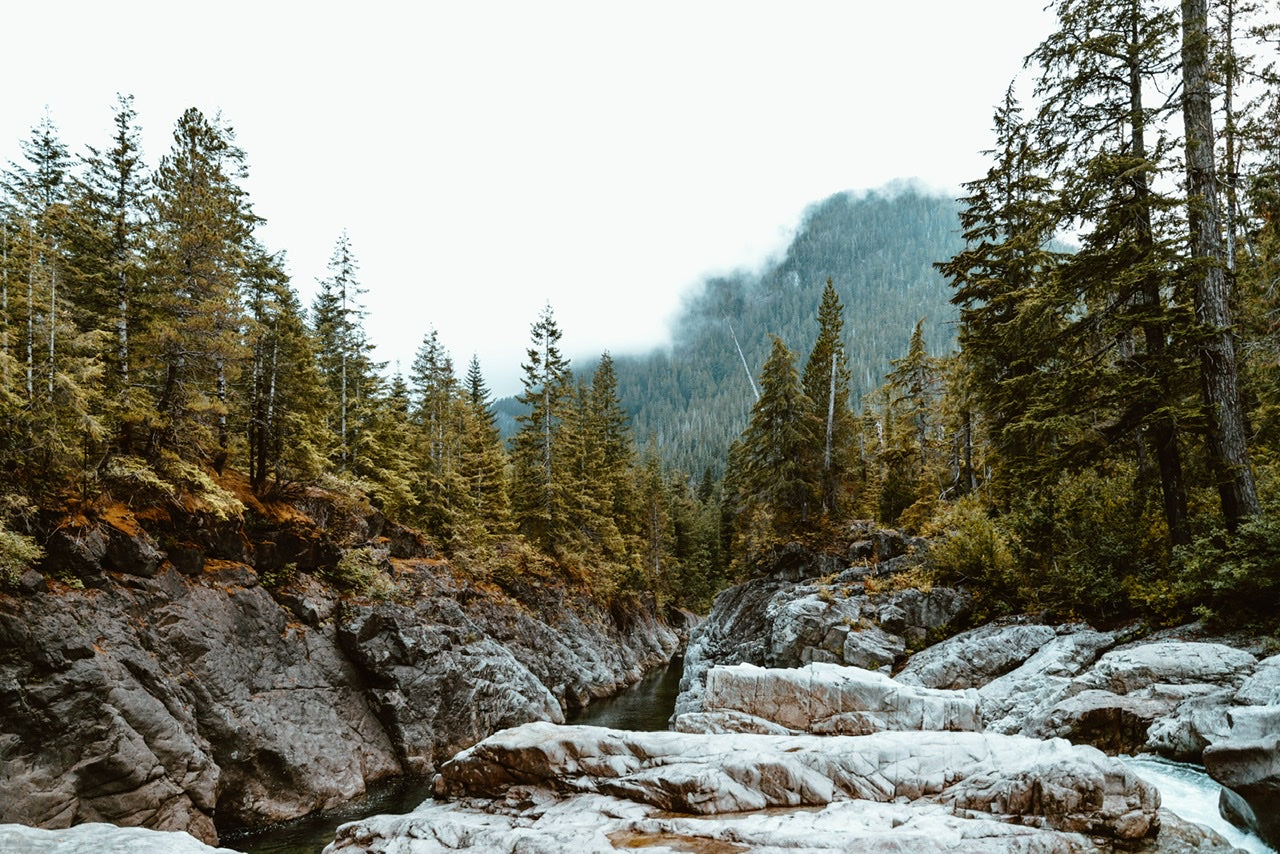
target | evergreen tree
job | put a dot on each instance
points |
(1227, 433)
(343, 349)
(203, 226)
(438, 414)
(776, 476)
(538, 494)
(285, 397)
(826, 382)
(107, 241)
(482, 460)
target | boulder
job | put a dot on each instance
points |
(99, 838)
(1250, 773)
(1131, 668)
(828, 699)
(1049, 784)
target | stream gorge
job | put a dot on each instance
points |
(814, 709)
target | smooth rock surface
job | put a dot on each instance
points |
(825, 699)
(1049, 783)
(815, 608)
(97, 838)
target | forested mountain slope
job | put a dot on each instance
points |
(878, 248)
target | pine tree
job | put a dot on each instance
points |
(285, 398)
(343, 349)
(1227, 439)
(1112, 146)
(106, 245)
(538, 495)
(482, 461)
(776, 475)
(826, 382)
(203, 226)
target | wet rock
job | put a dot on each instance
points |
(1250, 771)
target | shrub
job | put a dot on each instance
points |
(18, 553)
(1233, 579)
(359, 571)
(974, 550)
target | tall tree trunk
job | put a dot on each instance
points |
(53, 324)
(4, 303)
(1162, 432)
(1227, 444)
(31, 315)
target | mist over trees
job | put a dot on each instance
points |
(878, 250)
(1087, 430)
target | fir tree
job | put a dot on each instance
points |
(203, 228)
(826, 382)
(538, 480)
(777, 478)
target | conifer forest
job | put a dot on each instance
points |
(1069, 377)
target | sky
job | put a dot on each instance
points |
(488, 159)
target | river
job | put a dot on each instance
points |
(647, 706)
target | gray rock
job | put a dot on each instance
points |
(828, 699)
(166, 700)
(98, 838)
(972, 659)
(1049, 784)
(800, 615)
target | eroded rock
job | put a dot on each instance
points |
(825, 699)
(1051, 784)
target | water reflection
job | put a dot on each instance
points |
(644, 707)
(311, 833)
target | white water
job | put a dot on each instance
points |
(1193, 795)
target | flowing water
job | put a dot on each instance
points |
(647, 706)
(1191, 793)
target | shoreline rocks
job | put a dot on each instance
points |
(189, 696)
(562, 788)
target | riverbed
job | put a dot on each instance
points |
(647, 706)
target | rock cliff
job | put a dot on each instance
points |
(180, 671)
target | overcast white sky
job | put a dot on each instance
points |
(487, 158)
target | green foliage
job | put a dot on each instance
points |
(18, 553)
(1233, 579)
(170, 479)
(973, 549)
(878, 249)
(360, 571)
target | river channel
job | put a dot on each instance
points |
(647, 706)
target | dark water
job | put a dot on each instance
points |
(310, 834)
(644, 706)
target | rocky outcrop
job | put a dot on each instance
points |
(1177, 694)
(546, 788)
(837, 609)
(99, 838)
(824, 699)
(182, 692)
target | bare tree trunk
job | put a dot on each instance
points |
(31, 315)
(750, 378)
(1227, 443)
